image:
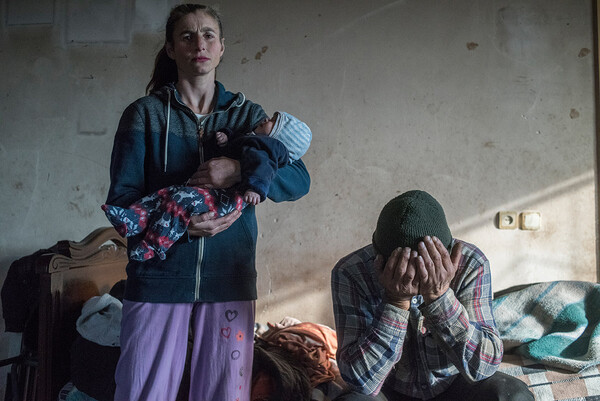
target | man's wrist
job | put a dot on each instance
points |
(432, 297)
(399, 302)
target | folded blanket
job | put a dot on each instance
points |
(554, 323)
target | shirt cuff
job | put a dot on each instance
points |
(393, 320)
(445, 309)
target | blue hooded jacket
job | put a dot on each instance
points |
(158, 143)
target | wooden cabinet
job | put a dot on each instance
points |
(95, 264)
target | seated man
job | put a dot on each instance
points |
(413, 313)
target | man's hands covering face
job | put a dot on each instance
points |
(436, 267)
(398, 276)
(427, 271)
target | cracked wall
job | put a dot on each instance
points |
(489, 106)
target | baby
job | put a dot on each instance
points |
(264, 128)
(273, 143)
(164, 216)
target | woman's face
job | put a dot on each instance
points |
(196, 46)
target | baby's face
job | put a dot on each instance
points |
(266, 126)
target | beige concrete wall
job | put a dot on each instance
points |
(488, 105)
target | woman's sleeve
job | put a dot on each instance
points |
(291, 182)
(127, 160)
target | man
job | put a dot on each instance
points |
(413, 312)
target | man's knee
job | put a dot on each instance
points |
(503, 387)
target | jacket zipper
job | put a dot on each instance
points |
(200, 128)
(201, 241)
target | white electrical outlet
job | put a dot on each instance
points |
(507, 220)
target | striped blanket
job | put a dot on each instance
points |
(551, 383)
(554, 323)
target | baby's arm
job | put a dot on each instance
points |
(251, 197)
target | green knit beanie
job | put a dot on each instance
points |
(406, 219)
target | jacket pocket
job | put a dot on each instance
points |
(232, 252)
(180, 262)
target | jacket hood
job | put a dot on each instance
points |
(225, 99)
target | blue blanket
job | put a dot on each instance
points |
(555, 323)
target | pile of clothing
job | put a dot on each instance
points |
(295, 361)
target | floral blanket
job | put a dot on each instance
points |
(163, 217)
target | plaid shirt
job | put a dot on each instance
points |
(417, 352)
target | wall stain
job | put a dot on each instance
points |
(74, 206)
(472, 45)
(584, 52)
(574, 114)
(244, 60)
(18, 185)
(261, 52)
(489, 144)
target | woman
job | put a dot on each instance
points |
(207, 284)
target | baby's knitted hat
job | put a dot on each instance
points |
(406, 219)
(293, 133)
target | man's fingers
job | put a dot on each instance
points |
(426, 256)
(410, 274)
(436, 250)
(444, 259)
(390, 265)
(404, 261)
(456, 254)
(421, 269)
(396, 265)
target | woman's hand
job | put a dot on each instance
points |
(220, 172)
(206, 225)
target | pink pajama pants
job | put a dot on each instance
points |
(154, 342)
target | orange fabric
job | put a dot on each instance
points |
(312, 344)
